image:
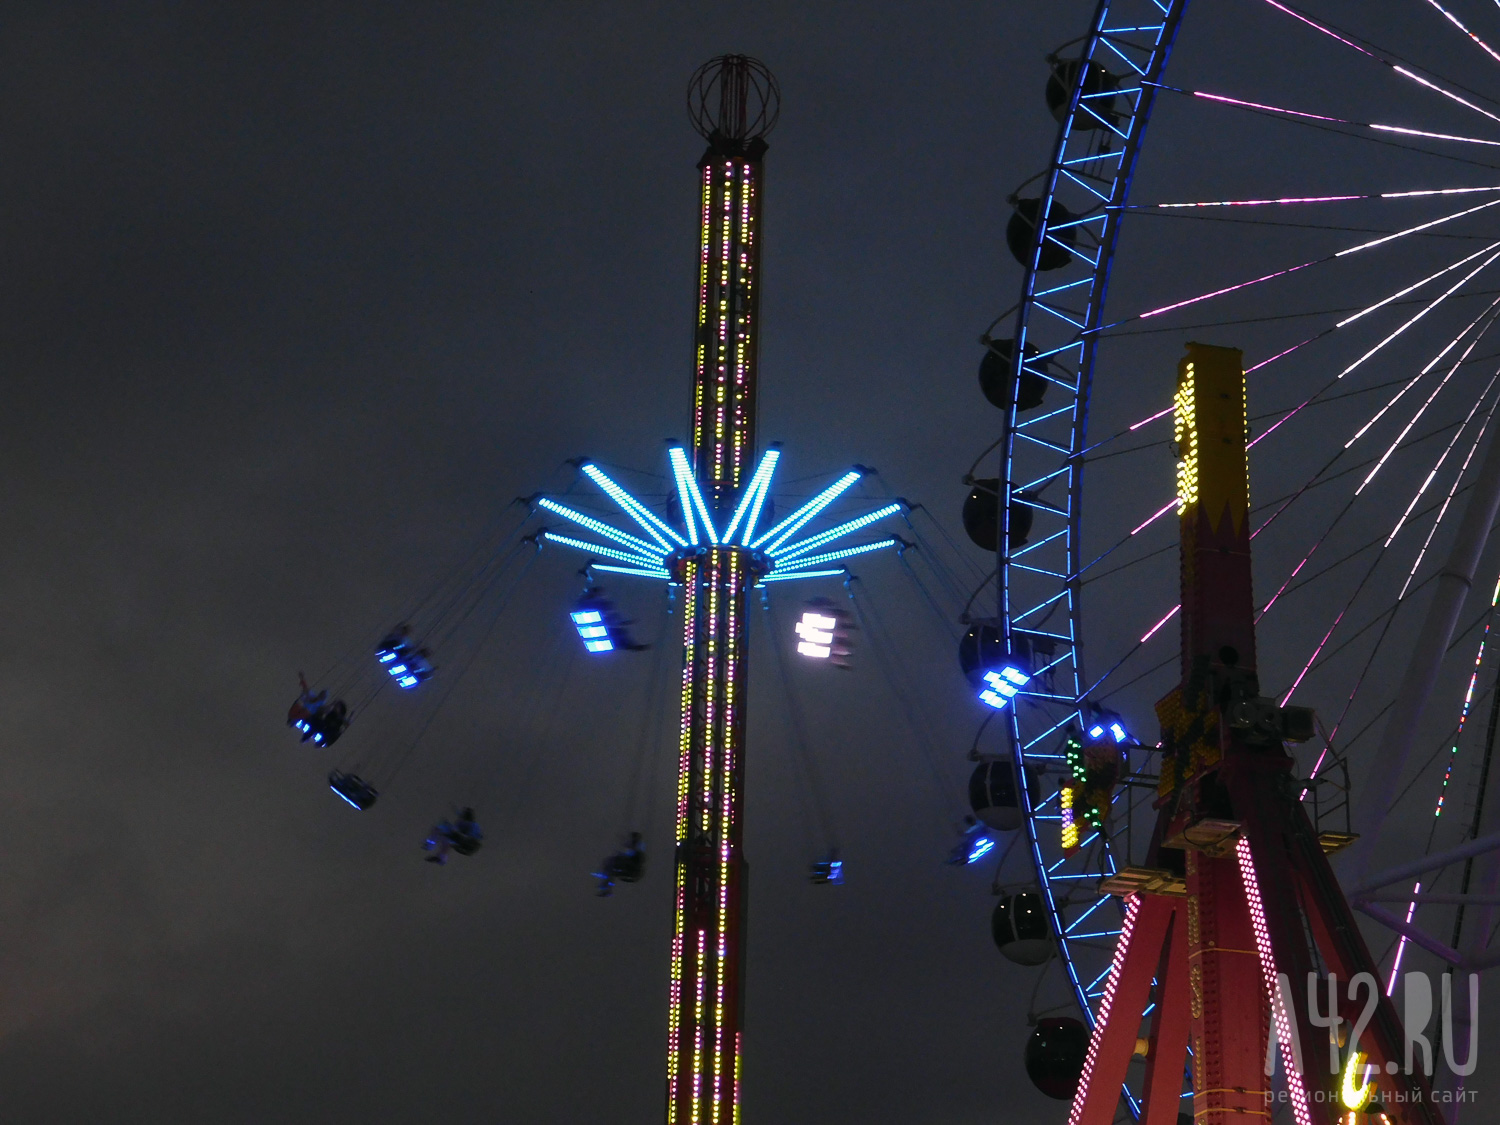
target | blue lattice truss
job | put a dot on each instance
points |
(785, 555)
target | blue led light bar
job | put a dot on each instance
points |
(599, 549)
(833, 533)
(846, 553)
(692, 499)
(599, 527)
(754, 497)
(1003, 683)
(638, 571)
(801, 574)
(642, 515)
(789, 526)
(983, 845)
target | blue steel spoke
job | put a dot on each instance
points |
(793, 550)
(803, 574)
(598, 527)
(789, 526)
(847, 552)
(600, 549)
(754, 497)
(654, 527)
(641, 571)
(690, 497)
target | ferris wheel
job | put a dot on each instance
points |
(1321, 198)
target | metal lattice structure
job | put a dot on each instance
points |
(1083, 193)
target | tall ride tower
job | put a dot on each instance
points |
(733, 101)
(717, 556)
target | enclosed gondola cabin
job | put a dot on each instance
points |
(1019, 926)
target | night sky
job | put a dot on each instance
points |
(295, 300)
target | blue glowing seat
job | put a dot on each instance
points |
(353, 789)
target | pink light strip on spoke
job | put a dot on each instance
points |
(1318, 261)
(1454, 20)
(1319, 27)
(1273, 359)
(1172, 503)
(1310, 660)
(1230, 289)
(1155, 628)
(1411, 912)
(1154, 417)
(1271, 108)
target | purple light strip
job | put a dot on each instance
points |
(1411, 911)
(1151, 632)
(1154, 417)
(1231, 288)
(1272, 108)
(1172, 503)
(1319, 27)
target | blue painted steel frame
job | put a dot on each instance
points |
(1090, 176)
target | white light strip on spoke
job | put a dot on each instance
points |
(642, 515)
(1437, 468)
(598, 527)
(1318, 261)
(1431, 136)
(1454, 20)
(1401, 70)
(754, 497)
(692, 499)
(1452, 491)
(1443, 382)
(789, 526)
(833, 533)
(1319, 198)
(1415, 379)
(1416, 285)
(1454, 289)
(1418, 228)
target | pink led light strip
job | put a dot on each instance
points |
(1295, 1087)
(1132, 912)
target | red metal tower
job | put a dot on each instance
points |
(1238, 891)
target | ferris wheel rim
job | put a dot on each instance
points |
(1103, 41)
